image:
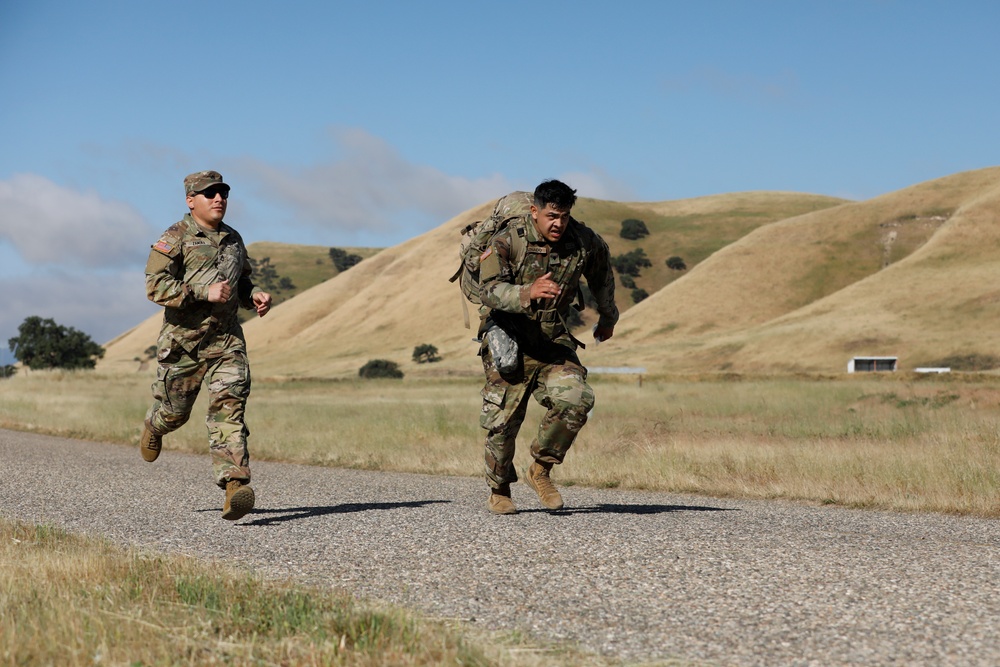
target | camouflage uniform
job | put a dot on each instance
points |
(549, 369)
(202, 341)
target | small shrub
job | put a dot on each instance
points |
(633, 229)
(425, 353)
(380, 368)
(676, 263)
(639, 294)
(627, 281)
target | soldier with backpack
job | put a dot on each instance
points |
(528, 279)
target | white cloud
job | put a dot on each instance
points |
(47, 223)
(100, 304)
(371, 187)
(597, 184)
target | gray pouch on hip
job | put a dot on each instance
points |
(504, 350)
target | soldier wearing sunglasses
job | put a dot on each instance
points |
(199, 272)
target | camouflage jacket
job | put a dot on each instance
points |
(181, 266)
(505, 286)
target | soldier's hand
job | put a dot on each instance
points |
(262, 301)
(219, 292)
(601, 334)
(544, 288)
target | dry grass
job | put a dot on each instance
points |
(917, 445)
(68, 600)
(902, 442)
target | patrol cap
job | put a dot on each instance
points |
(202, 180)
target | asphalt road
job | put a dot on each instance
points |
(644, 577)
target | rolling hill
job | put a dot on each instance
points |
(909, 274)
(776, 282)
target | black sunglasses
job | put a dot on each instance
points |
(210, 193)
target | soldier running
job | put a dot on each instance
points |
(527, 301)
(199, 271)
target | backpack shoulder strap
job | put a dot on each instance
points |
(518, 244)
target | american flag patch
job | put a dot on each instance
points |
(163, 246)
(486, 253)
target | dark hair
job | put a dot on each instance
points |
(561, 196)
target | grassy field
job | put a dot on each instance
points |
(73, 601)
(901, 441)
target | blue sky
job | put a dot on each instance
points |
(365, 124)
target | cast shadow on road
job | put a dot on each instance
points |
(295, 513)
(613, 508)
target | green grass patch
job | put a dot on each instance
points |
(70, 600)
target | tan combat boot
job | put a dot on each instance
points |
(537, 478)
(239, 500)
(499, 501)
(150, 443)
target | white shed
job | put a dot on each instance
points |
(871, 364)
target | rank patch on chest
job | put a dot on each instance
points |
(163, 246)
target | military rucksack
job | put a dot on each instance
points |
(476, 237)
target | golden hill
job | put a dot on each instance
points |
(909, 274)
(776, 282)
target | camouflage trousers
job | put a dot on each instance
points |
(179, 378)
(561, 387)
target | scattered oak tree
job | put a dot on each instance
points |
(343, 260)
(148, 355)
(267, 278)
(264, 274)
(631, 263)
(42, 344)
